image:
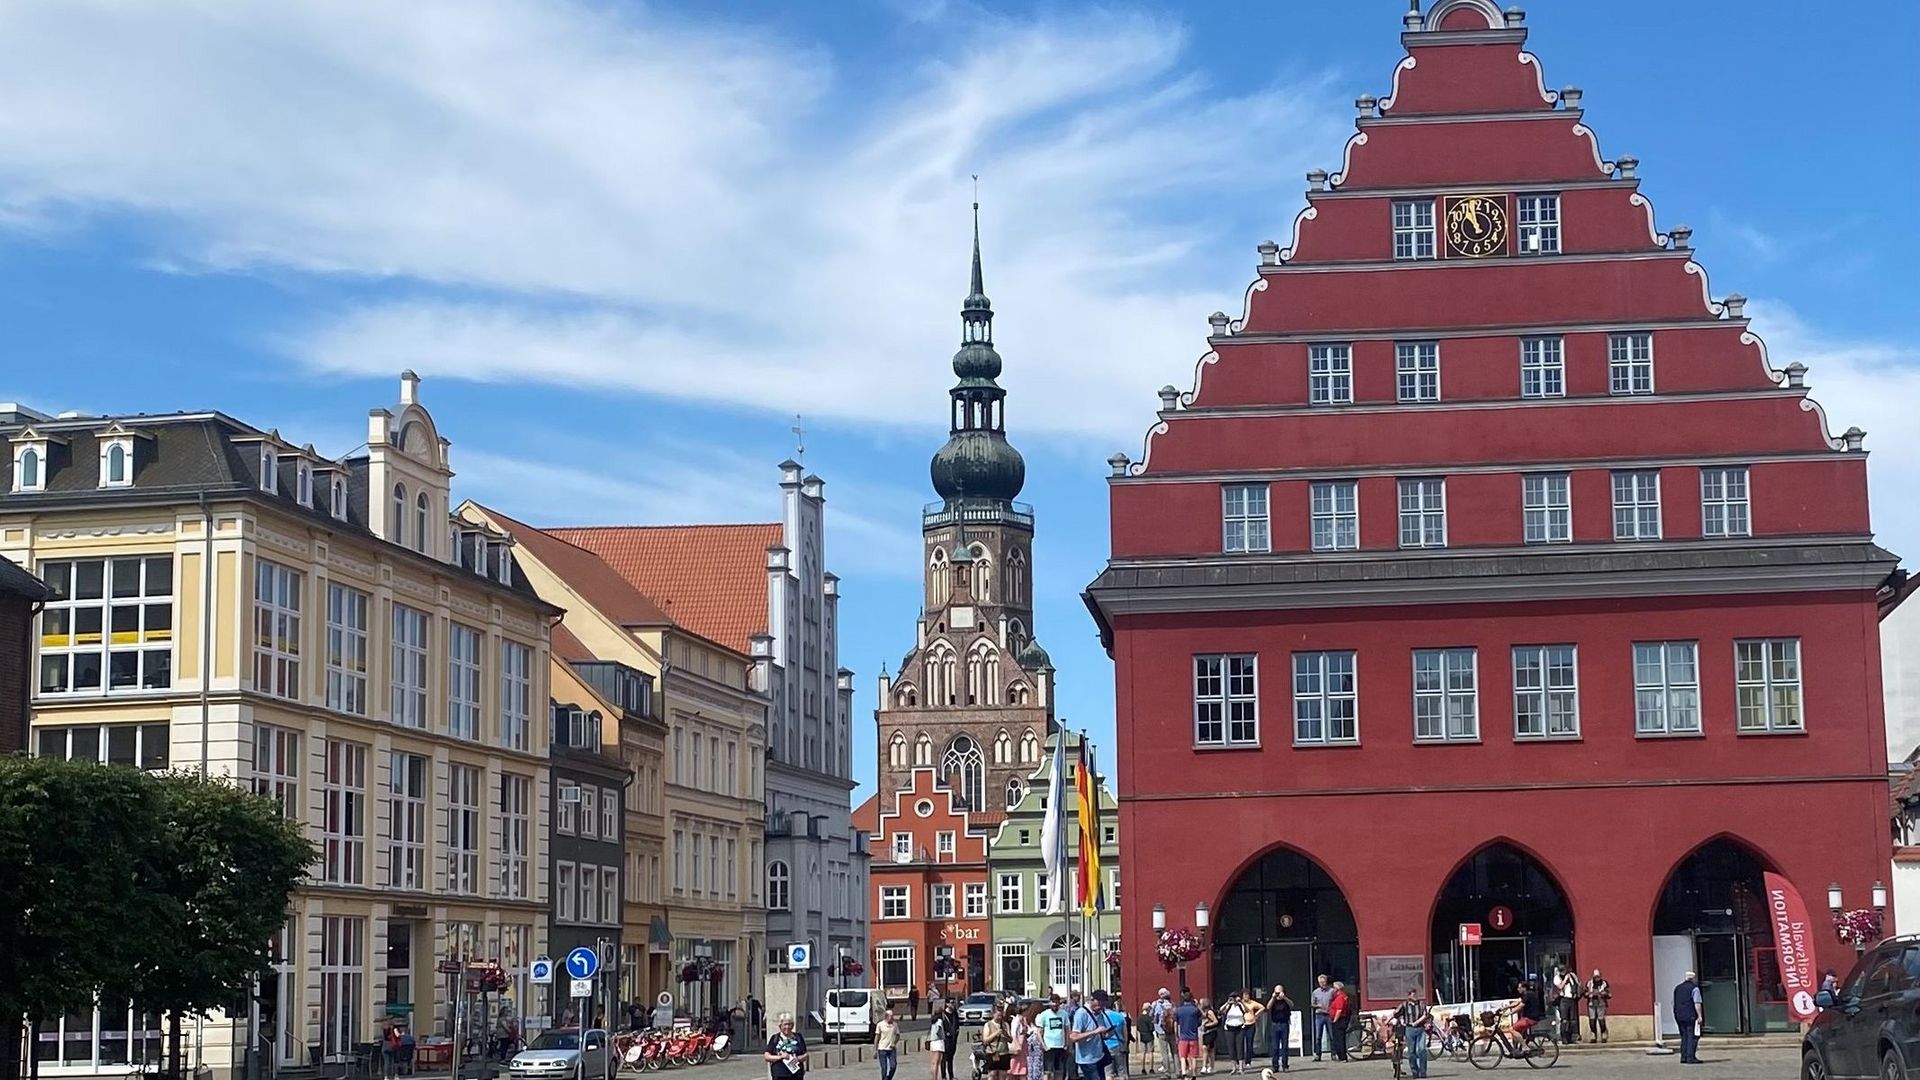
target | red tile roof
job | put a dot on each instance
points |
(585, 573)
(567, 647)
(711, 579)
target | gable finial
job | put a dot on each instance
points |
(799, 439)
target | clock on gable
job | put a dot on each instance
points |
(1476, 225)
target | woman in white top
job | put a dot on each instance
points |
(1238, 1016)
(936, 1039)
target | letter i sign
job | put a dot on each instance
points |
(1501, 917)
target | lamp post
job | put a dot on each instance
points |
(1845, 922)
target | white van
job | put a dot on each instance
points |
(853, 1013)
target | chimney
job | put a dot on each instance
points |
(1682, 237)
(1317, 180)
(1269, 253)
(1117, 465)
(409, 388)
(1218, 322)
(1796, 376)
(1169, 399)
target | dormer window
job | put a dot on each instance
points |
(116, 462)
(397, 518)
(269, 470)
(30, 467)
(506, 565)
(303, 482)
(337, 498)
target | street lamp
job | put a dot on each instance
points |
(1879, 896)
(1834, 902)
(1200, 917)
(1159, 919)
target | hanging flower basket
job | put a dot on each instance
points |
(1860, 927)
(1113, 960)
(1178, 947)
(855, 969)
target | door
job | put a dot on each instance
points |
(593, 1054)
(1672, 959)
(1499, 965)
(976, 968)
(1722, 983)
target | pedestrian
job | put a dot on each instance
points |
(1187, 1018)
(1053, 1038)
(1830, 982)
(1143, 1030)
(1034, 1043)
(996, 1038)
(950, 1018)
(886, 1044)
(1339, 1018)
(913, 1003)
(1280, 1027)
(1687, 1017)
(1209, 1034)
(1119, 1042)
(1599, 992)
(1089, 1037)
(1321, 1000)
(936, 1040)
(1160, 1019)
(1571, 991)
(786, 1053)
(1410, 1024)
(1233, 1021)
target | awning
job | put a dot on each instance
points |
(657, 933)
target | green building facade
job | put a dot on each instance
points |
(1038, 951)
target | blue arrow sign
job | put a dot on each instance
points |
(582, 963)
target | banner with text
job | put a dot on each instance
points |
(1793, 939)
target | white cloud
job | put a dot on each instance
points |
(610, 197)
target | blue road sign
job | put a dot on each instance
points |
(541, 970)
(582, 963)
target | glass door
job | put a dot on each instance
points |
(1722, 983)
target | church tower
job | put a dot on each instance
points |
(974, 697)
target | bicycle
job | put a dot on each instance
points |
(1451, 1039)
(1493, 1042)
(1366, 1039)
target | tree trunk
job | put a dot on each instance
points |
(174, 1070)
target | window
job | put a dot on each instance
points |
(1329, 374)
(1042, 902)
(589, 811)
(407, 821)
(894, 964)
(976, 900)
(1547, 508)
(1417, 369)
(344, 851)
(276, 630)
(337, 497)
(420, 531)
(516, 694)
(516, 833)
(679, 861)
(1724, 510)
(303, 482)
(1446, 696)
(1413, 229)
(1335, 512)
(610, 815)
(1423, 513)
(141, 746)
(343, 977)
(27, 472)
(269, 470)
(1226, 701)
(1630, 363)
(897, 751)
(409, 699)
(346, 649)
(610, 895)
(1009, 894)
(276, 768)
(1015, 792)
(589, 893)
(1543, 371)
(779, 886)
(1013, 964)
(1539, 225)
(1546, 693)
(116, 463)
(902, 847)
(893, 902)
(940, 901)
(1766, 675)
(463, 681)
(397, 528)
(1666, 687)
(1326, 706)
(1636, 505)
(567, 819)
(108, 625)
(1244, 517)
(566, 893)
(943, 844)
(463, 829)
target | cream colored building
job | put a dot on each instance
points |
(322, 630)
(714, 778)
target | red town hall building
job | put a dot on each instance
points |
(1490, 573)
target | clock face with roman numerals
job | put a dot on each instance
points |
(1476, 225)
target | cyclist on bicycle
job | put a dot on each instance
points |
(1533, 1009)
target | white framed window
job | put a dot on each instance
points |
(1630, 363)
(516, 694)
(269, 470)
(1766, 675)
(1413, 232)
(347, 649)
(940, 901)
(516, 835)
(1334, 507)
(894, 903)
(463, 681)
(1243, 516)
(733, 865)
(343, 983)
(420, 515)
(902, 847)
(1416, 366)
(463, 829)
(409, 675)
(107, 626)
(975, 898)
(1010, 898)
(567, 816)
(1326, 700)
(1636, 504)
(277, 767)
(1538, 223)
(610, 895)
(276, 630)
(1113, 887)
(1423, 513)
(1042, 896)
(30, 467)
(1226, 700)
(1543, 367)
(1446, 695)
(1329, 374)
(1724, 509)
(610, 815)
(589, 893)
(344, 824)
(894, 965)
(1666, 687)
(679, 861)
(1546, 501)
(407, 821)
(303, 482)
(337, 497)
(779, 886)
(142, 746)
(397, 516)
(589, 811)
(566, 892)
(116, 462)
(1546, 692)
(1013, 964)
(943, 844)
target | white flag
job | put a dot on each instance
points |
(1053, 831)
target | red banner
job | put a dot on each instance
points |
(1793, 940)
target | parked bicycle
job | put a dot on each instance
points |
(1367, 1037)
(1495, 1041)
(1451, 1039)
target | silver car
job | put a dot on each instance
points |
(977, 1008)
(563, 1054)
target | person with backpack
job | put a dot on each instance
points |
(1599, 992)
(1089, 1036)
(1280, 1027)
(1119, 1041)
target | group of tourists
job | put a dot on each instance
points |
(1186, 1038)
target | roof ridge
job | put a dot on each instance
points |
(693, 525)
(548, 531)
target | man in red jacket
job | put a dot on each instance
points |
(1340, 1015)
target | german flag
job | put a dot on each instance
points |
(1087, 794)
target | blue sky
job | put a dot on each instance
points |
(624, 244)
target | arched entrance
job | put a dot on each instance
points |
(1284, 921)
(1712, 919)
(1526, 926)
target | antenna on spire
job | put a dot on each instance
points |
(979, 284)
(799, 438)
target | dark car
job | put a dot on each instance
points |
(1870, 1026)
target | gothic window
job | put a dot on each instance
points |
(923, 751)
(939, 580)
(397, 526)
(965, 769)
(908, 697)
(420, 522)
(991, 681)
(1015, 792)
(982, 577)
(1016, 581)
(897, 751)
(983, 675)
(940, 685)
(1029, 747)
(1002, 749)
(1016, 694)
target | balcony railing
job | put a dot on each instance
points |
(976, 513)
